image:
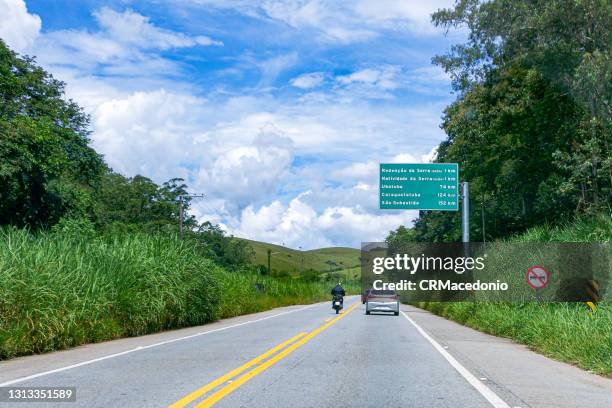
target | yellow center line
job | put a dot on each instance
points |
(201, 391)
(223, 392)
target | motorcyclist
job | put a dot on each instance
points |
(338, 290)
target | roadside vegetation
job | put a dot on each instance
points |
(568, 332)
(87, 254)
(64, 288)
(531, 131)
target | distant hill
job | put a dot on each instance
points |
(293, 261)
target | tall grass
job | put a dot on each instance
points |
(565, 331)
(60, 289)
(242, 295)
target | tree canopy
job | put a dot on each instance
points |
(47, 169)
(50, 176)
(531, 126)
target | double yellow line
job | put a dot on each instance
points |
(287, 348)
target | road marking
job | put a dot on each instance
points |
(161, 343)
(228, 377)
(485, 391)
(228, 389)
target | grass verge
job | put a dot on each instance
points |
(59, 290)
(564, 331)
(567, 332)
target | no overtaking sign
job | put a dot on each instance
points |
(537, 277)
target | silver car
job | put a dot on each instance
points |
(382, 301)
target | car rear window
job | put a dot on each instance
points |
(382, 292)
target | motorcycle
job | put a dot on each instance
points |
(337, 303)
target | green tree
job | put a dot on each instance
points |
(400, 236)
(531, 125)
(138, 203)
(47, 169)
(567, 42)
(224, 250)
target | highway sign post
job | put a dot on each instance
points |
(424, 186)
(419, 186)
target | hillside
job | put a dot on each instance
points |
(293, 261)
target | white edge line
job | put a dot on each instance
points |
(139, 348)
(486, 392)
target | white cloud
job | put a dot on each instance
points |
(18, 28)
(431, 73)
(132, 28)
(343, 21)
(385, 77)
(309, 80)
(147, 133)
(401, 15)
(316, 15)
(302, 171)
(272, 67)
(299, 224)
(127, 44)
(361, 171)
(251, 172)
(380, 81)
(241, 154)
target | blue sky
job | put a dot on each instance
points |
(278, 110)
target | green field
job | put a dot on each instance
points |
(292, 261)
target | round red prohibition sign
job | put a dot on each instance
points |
(537, 277)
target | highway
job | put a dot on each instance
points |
(307, 356)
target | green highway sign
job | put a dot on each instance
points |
(419, 186)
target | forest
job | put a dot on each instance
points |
(531, 124)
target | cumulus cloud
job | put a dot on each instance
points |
(302, 171)
(147, 133)
(299, 224)
(242, 154)
(251, 172)
(18, 28)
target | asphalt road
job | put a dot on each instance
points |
(293, 357)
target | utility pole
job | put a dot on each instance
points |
(301, 260)
(484, 237)
(465, 211)
(181, 216)
(181, 198)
